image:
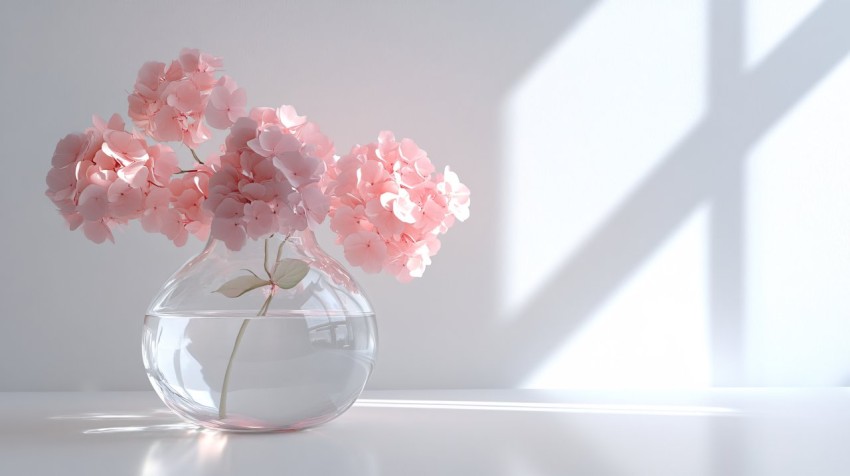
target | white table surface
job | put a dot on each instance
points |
(504, 432)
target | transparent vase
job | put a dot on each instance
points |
(275, 336)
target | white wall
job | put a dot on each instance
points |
(661, 190)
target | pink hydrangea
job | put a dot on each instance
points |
(277, 173)
(177, 210)
(388, 206)
(106, 176)
(270, 178)
(169, 102)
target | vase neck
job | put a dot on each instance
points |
(298, 242)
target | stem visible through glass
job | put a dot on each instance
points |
(222, 405)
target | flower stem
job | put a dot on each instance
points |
(222, 404)
(195, 155)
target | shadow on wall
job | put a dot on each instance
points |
(706, 165)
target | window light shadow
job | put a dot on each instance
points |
(705, 165)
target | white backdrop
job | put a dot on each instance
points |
(661, 189)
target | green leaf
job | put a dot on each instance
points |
(255, 274)
(241, 285)
(289, 272)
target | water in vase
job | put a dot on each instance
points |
(288, 371)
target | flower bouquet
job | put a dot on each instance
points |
(262, 330)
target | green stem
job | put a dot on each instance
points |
(222, 404)
(266, 259)
(280, 252)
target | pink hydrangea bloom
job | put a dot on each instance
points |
(170, 102)
(388, 206)
(188, 193)
(106, 176)
(227, 103)
(366, 249)
(270, 177)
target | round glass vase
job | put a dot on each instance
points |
(275, 336)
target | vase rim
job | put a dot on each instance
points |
(296, 237)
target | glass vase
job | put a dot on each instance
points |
(275, 336)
